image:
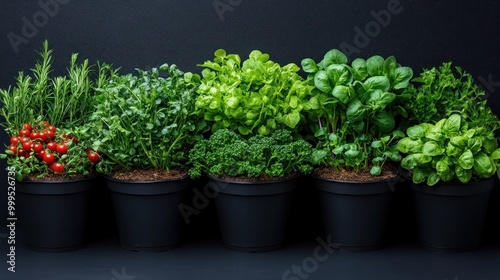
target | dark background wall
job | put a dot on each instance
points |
(148, 33)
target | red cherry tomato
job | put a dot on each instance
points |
(52, 146)
(41, 154)
(49, 158)
(49, 135)
(14, 140)
(94, 157)
(37, 147)
(34, 135)
(57, 167)
(13, 148)
(25, 139)
(20, 152)
(52, 128)
(24, 133)
(62, 149)
(27, 126)
(27, 146)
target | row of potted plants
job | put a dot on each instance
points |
(252, 127)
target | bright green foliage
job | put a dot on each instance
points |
(64, 101)
(451, 149)
(228, 153)
(440, 92)
(356, 106)
(257, 96)
(145, 121)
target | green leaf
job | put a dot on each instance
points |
(474, 144)
(495, 154)
(415, 132)
(483, 165)
(339, 74)
(322, 82)
(452, 124)
(292, 119)
(419, 176)
(384, 121)
(358, 126)
(420, 158)
(409, 162)
(376, 144)
(375, 170)
(309, 66)
(401, 77)
(442, 168)
(377, 82)
(433, 179)
(355, 110)
(359, 69)
(432, 148)
(333, 56)
(466, 160)
(375, 65)
(318, 156)
(464, 175)
(342, 93)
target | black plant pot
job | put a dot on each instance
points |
(147, 213)
(355, 214)
(53, 213)
(253, 216)
(450, 217)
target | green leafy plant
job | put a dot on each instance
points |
(448, 150)
(442, 91)
(263, 156)
(253, 97)
(64, 101)
(145, 121)
(356, 106)
(41, 150)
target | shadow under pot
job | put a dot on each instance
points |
(53, 214)
(253, 215)
(147, 213)
(450, 216)
(355, 213)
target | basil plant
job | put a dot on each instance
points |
(451, 149)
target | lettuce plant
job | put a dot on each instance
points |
(356, 106)
(451, 149)
(256, 96)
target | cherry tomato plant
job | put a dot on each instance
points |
(47, 151)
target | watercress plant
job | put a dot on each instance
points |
(146, 120)
(262, 156)
(253, 97)
(356, 106)
(448, 150)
